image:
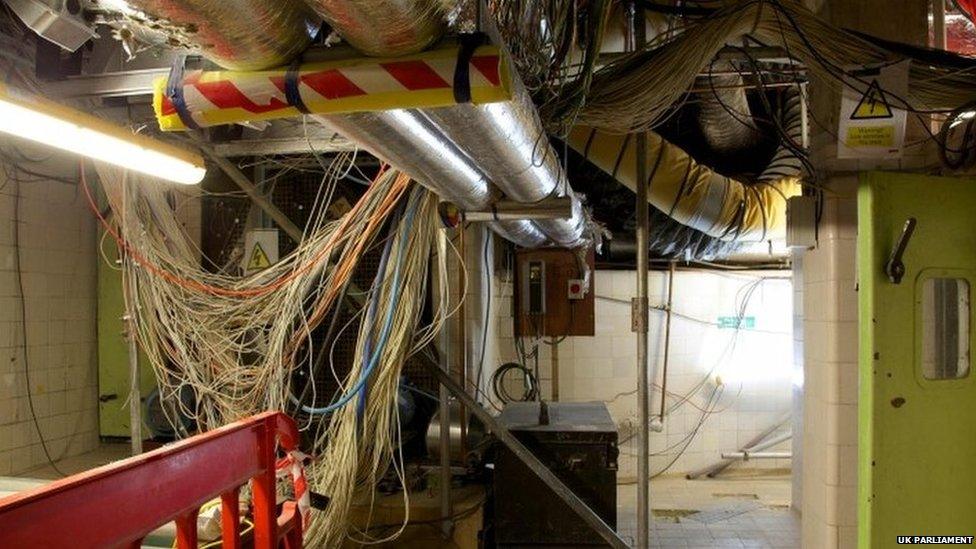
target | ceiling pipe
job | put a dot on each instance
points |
(508, 141)
(386, 27)
(505, 142)
(240, 35)
(409, 142)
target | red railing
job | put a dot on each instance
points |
(121, 503)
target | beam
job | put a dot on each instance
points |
(528, 458)
(283, 145)
(106, 84)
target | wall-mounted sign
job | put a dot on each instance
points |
(872, 114)
(260, 249)
(736, 322)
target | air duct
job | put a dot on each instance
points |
(386, 27)
(409, 142)
(510, 146)
(723, 111)
(690, 193)
(240, 35)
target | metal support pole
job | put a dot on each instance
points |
(444, 415)
(554, 363)
(638, 28)
(939, 24)
(527, 457)
(135, 396)
(667, 341)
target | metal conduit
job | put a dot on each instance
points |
(408, 141)
(507, 141)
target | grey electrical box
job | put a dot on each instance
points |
(801, 222)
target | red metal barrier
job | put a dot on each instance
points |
(119, 504)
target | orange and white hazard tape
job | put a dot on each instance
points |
(429, 79)
(293, 465)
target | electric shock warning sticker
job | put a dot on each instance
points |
(872, 120)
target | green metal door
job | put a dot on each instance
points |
(917, 407)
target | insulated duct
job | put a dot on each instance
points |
(386, 27)
(690, 193)
(508, 143)
(409, 142)
(240, 35)
(358, 84)
(723, 111)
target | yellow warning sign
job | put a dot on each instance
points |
(870, 136)
(259, 260)
(873, 104)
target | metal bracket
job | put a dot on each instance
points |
(895, 267)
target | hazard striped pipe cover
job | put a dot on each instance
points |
(424, 80)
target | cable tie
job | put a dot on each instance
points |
(293, 95)
(462, 70)
(174, 91)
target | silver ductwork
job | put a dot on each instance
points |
(411, 143)
(239, 35)
(508, 143)
(386, 27)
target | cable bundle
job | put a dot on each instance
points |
(362, 431)
(233, 340)
(639, 90)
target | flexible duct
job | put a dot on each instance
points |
(239, 35)
(409, 142)
(724, 113)
(509, 145)
(386, 27)
(785, 161)
(690, 193)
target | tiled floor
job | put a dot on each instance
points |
(737, 511)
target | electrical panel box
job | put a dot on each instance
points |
(801, 222)
(554, 293)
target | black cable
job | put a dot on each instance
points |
(484, 327)
(23, 316)
(530, 380)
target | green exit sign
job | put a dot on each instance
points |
(733, 322)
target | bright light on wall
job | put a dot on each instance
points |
(49, 123)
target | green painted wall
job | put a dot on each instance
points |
(113, 350)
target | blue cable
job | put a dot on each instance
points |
(387, 325)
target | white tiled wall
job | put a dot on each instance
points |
(829, 475)
(756, 371)
(57, 243)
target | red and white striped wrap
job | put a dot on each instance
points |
(423, 80)
(293, 465)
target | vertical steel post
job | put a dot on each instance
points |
(667, 341)
(135, 396)
(638, 37)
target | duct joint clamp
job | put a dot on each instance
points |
(462, 71)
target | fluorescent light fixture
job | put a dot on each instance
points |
(35, 118)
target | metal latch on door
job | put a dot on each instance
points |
(895, 267)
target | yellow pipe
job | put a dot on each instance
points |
(690, 193)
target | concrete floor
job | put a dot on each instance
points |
(737, 510)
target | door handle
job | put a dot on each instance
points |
(895, 267)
